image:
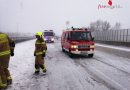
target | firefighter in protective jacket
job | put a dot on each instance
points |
(6, 50)
(39, 53)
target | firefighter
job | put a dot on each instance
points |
(39, 53)
(6, 50)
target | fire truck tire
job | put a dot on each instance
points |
(63, 50)
(70, 54)
(90, 55)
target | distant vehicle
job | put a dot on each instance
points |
(49, 36)
(78, 41)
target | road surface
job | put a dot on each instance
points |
(109, 69)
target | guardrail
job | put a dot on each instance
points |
(19, 37)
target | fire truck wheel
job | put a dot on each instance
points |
(90, 55)
(63, 50)
(70, 54)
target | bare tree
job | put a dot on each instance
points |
(100, 25)
(105, 26)
(96, 25)
(117, 26)
(92, 26)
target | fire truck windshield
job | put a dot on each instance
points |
(81, 36)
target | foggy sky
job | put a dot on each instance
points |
(38, 15)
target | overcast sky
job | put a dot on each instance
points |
(37, 15)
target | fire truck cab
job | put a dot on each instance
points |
(49, 36)
(78, 41)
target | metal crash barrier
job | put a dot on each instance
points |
(19, 37)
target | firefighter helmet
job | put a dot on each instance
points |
(39, 34)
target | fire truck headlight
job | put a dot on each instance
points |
(74, 46)
(45, 39)
(52, 39)
(92, 46)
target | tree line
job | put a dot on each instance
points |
(104, 26)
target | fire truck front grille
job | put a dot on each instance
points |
(83, 46)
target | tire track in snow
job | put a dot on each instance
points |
(120, 69)
(100, 77)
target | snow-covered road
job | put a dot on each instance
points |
(105, 71)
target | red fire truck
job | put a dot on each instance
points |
(78, 41)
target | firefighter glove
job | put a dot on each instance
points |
(12, 53)
(12, 44)
(43, 55)
(34, 54)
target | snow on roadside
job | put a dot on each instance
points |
(114, 47)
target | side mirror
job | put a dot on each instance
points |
(93, 38)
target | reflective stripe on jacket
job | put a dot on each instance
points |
(40, 47)
(40, 42)
(40, 53)
(4, 53)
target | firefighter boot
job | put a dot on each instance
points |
(37, 69)
(2, 86)
(43, 68)
(9, 80)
